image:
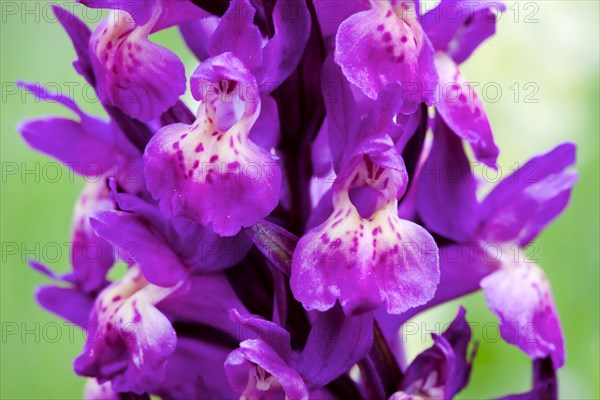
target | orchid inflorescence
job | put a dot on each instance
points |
(277, 238)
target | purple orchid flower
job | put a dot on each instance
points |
(365, 255)
(493, 256)
(267, 367)
(129, 340)
(141, 78)
(442, 370)
(165, 250)
(251, 273)
(454, 40)
(211, 171)
(391, 40)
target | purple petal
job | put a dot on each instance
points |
(91, 149)
(446, 193)
(135, 241)
(270, 333)
(237, 34)
(256, 371)
(139, 11)
(186, 378)
(210, 308)
(458, 335)
(68, 303)
(386, 45)
(91, 256)
(210, 171)
(165, 13)
(519, 294)
(462, 267)
(198, 247)
(266, 130)
(458, 27)
(462, 110)
(141, 78)
(128, 339)
(282, 53)
(79, 34)
(196, 35)
(96, 391)
(332, 13)
(336, 342)
(444, 369)
(363, 262)
(343, 116)
(525, 202)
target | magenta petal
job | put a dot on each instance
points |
(446, 188)
(69, 303)
(258, 372)
(332, 14)
(128, 339)
(385, 45)
(270, 333)
(461, 108)
(364, 262)
(210, 308)
(139, 11)
(141, 78)
(91, 255)
(282, 53)
(336, 342)
(237, 34)
(138, 243)
(196, 35)
(459, 36)
(187, 378)
(170, 12)
(522, 204)
(521, 297)
(211, 171)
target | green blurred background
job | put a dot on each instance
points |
(551, 45)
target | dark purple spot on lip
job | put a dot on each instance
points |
(387, 37)
(196, 164)
(233, 165)
(380, 28)
(403, 39)
(176, 145)
(199, 148)
(214, 158)
(109, 45)
(215, 133)
(400, 58)
(389, 14)
(116, 298)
